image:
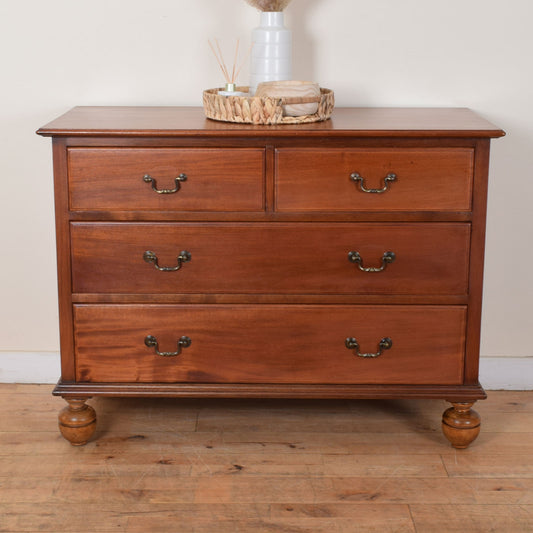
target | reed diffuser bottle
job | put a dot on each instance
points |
(230, 88)
(271, 58)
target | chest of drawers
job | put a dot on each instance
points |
(340, 259)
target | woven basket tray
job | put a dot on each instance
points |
(267, 110)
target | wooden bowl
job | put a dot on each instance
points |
(292, 89)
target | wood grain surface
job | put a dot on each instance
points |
(217, 180)
(263, 465)
(430, 179)
(269, 218)
(279, 258)
(270, 344)
(141, 121)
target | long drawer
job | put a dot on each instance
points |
(195, 179)
(428, 179)
(288, 258)
(270, 344)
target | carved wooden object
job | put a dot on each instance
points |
(461, 424)
(77, 421)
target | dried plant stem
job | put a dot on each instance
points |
(222, 64)
(269, 5)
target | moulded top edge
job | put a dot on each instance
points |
(345, 122)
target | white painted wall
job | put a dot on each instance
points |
(61, 53)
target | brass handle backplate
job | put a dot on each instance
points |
(148, 179)
(151, 342)
(358, 179)
(151, 257)
(355, 257)
(384, 344)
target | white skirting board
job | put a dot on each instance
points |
(506, 373)
(495, 373)
(29, 367)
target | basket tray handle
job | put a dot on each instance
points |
(298, 99)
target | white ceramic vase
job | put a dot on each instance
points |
(271, 58)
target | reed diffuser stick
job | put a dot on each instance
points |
(228, 79)
(244, 60)
(222, 64)
(235, 62)
(219, 61)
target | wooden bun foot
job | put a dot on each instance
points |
(461, 424)
(77, 421)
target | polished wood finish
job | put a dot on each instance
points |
(77, 421)
(250, 465)
(269, 220)
(271, 390)
(477, 255)
(275, 344)
(428, 179)
(64, 276)
(283, 258)
(345, 122)
(217, 180)
(461, 424)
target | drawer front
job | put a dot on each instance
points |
(215, 180)
(297, 258)
(425, 179)
(270, 344)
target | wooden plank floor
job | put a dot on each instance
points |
(216, 466)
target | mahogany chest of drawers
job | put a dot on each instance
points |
(340, 259)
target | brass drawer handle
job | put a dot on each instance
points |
(357, 178)
(148, 179)
(151, 342)
(355, 257)
(384, 344)
(151, 257)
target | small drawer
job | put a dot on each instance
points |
(270, 258)
(422, 179)
(271, 344)
(171, 179)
